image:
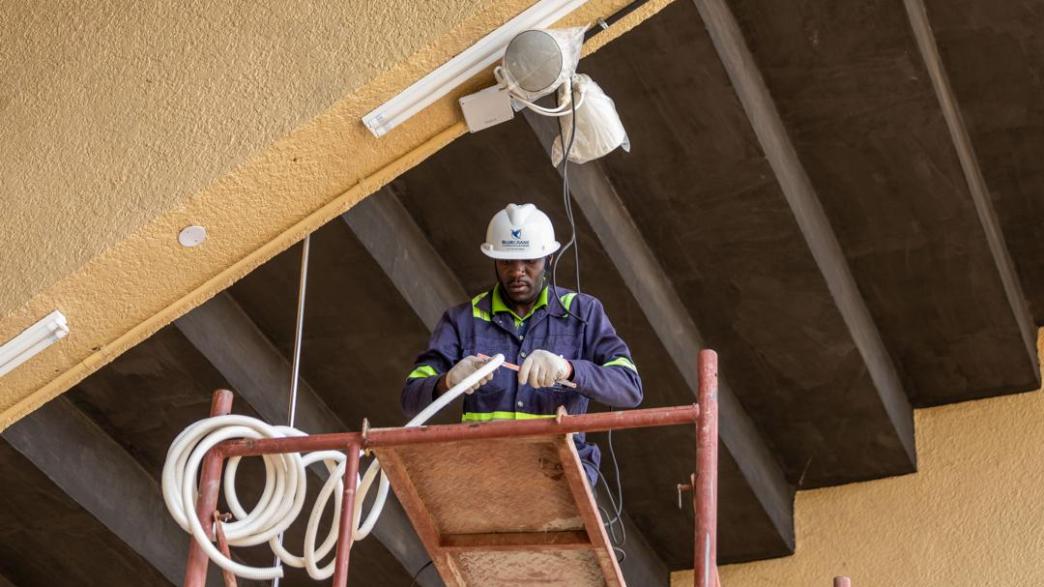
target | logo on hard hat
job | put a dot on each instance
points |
(517, 244)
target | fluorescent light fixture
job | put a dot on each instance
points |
(470, 62)
(32, 340)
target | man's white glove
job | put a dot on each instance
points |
(543, 369)
(465, 367)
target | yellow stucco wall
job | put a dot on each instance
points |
(973, 514)
(115, 111)
(124, 124)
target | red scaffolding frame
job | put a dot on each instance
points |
(704, 415)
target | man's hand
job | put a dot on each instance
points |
(465, 367)
(543, 369)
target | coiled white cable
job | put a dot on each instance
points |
(283, 496)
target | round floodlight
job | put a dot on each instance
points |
(534, 60)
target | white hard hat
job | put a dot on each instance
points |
(520, 232)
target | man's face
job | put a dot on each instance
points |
(521, 281)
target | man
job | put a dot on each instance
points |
(566, 337)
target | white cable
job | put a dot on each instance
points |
(560, 110)
(283, 496)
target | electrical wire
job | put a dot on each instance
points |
(613, 19)
(568, 204)
(615, 521)
(604, 23)
(419, 571)
(505, 81)
(618, 550)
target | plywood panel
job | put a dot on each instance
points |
(532, 493)
(563, 568)
(493, 486)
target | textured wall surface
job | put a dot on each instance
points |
(971, 515)
(124, 123)
(115, 111)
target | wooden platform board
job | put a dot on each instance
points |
(504, 512)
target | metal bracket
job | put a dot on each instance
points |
(682, 487)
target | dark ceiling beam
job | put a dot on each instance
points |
(430, 287)
(650, 286)
(922, 31)
(223, 332)
(418, 272)
(101, 476)
(797, 188)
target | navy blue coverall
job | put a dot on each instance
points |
(603, 369)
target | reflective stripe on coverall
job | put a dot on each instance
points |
(603, 369)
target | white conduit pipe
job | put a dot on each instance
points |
(283, 496)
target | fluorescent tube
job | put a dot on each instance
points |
(470, 62)
(32, 340)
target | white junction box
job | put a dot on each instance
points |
(487, 108)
